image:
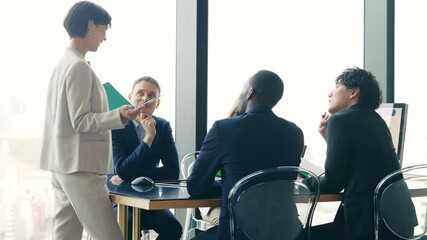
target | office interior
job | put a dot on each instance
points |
(201, 52)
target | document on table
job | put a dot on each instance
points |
(318, 170)
(171, 183)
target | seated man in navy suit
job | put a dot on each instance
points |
(256, 139)
(137, 151)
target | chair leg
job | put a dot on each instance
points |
(145, 234)
(187, 225)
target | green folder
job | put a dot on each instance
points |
(115, 99)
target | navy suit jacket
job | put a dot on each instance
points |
(239, 146)
(133, 158)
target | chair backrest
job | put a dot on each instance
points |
(395, 115)
(187, 163)
(273, 204)
(400, 202)
(191, 222)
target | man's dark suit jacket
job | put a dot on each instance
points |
(239, 146)
(360, 153)
(133, 158)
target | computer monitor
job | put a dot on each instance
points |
(395, 114)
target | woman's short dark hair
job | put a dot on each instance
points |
(370, 92)
(79, 15)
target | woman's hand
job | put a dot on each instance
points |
(116, 180)
(128, 112)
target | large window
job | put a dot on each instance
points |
(140, 42)
(307, 43)
(410, 62)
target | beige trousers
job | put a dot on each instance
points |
(82, 201)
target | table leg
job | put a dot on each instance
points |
(122, 217)
(135, 223)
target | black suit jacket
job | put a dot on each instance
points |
(133, 158)
(239, 146)
(360, 153)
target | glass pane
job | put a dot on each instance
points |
(140, 42)
(410, 62)
(308, 43)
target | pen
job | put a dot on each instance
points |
(149, 101)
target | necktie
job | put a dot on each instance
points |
(140, 132)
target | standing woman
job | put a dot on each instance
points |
(77, 132)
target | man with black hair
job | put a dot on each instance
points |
(253, 140)
(360, 153)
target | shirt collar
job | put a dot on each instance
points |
(135, 123)
(74, 51)
(260, 109)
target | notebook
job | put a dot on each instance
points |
(115, 99)
(316, 169)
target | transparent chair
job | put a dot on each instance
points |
(400, 203)
(191, 222)
(145, 234)
(273, 204)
